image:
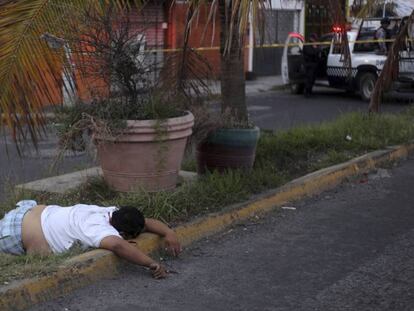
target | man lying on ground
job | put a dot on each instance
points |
(40, 229)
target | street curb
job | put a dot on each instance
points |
(95, 265)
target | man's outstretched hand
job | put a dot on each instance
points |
(172, 245)
(158, 271)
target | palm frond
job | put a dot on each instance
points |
(31, 72)
(368, 8)
(192, 69)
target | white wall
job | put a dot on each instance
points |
(288, 4)
(298, 5)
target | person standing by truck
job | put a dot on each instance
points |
(312, 57)
(382, 34)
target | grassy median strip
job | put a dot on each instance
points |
(19, 267)
(280, 157)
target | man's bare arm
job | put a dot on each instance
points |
(157, 227)
(129, 252)
(171, 241)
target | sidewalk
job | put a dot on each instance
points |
(263, 84)
(259, 85)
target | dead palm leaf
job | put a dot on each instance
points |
(31, 72)
(390, 71)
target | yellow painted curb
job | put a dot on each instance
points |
(92, 266)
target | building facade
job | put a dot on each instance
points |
(318, 16)
(281, 18)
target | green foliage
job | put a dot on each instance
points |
(298, 149)
(108, 117)
(189, 164)
(18, 267)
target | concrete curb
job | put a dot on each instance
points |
(92, 266)
(69, 182)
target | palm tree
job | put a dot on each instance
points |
(235, 18)
(232, 62)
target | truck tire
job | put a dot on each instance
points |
(367, 82)
(297, 88)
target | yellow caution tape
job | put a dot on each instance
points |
(275, 45)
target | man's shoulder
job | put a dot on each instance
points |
(93, 213)
(93, 208)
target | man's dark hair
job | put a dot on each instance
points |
(128, 221)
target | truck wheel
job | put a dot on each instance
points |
(367, 82)
(297, 88)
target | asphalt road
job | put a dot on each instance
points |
(347, 249)
(268, 110)
(35, 164)
(282, 110)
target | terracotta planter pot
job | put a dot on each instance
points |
(138, 159)
(228, 148)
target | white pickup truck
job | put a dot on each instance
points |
(366, 62)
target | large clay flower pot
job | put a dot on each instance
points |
(147, 155)
(228, 148)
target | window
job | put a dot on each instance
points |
(295, 46)
(366, 46)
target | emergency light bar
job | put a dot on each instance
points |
(337, 29)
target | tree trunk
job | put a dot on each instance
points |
(232, 66)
